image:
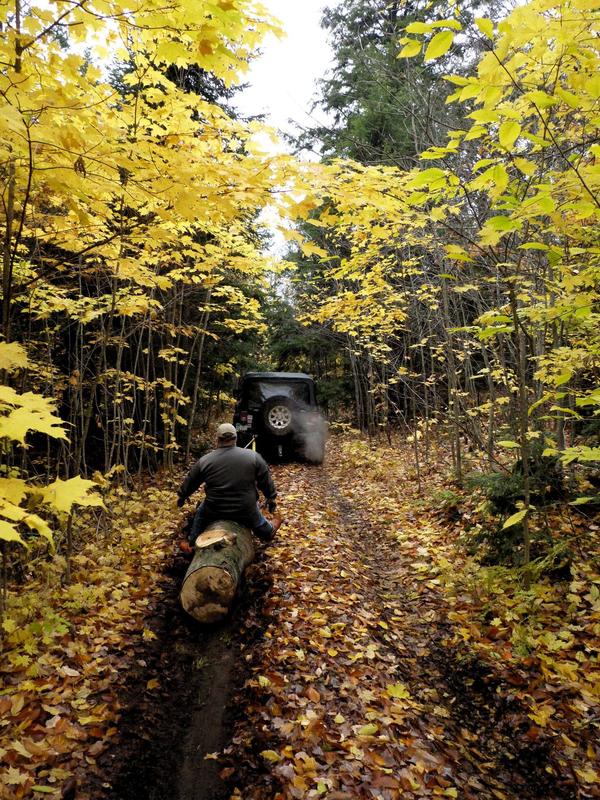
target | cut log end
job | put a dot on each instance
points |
(215, 537)
(207, 594)
(209, 587)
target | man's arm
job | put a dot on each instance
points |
(264, 481)
(192, 481)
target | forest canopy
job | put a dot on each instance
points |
(441, 283)
(446, 252)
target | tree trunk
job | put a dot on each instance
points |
(523, 428)
(222, 553)
(453, 385)
(192, 417)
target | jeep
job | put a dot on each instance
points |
(277, 411)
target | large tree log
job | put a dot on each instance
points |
(222, 553)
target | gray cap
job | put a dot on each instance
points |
(226, 431)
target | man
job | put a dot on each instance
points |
(231, 477)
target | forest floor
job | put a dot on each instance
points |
(368, 657)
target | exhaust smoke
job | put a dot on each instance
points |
(312, 430)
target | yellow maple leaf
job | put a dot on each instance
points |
(12, 356)
(588, 774)
(270, 755)
(12, 489)
(398, 690)
(368, 730)
(541, 714)
(63, 495)
(9, 533)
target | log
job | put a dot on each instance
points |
(222, 553)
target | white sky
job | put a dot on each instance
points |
(282, 80)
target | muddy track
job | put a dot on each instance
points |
(501, 761)
(166, 736)
(205, 706)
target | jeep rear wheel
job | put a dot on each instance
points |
(278, 416)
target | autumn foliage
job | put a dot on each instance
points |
(467, 290)
(126, 217)
(459, 297)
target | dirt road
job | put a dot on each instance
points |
(328, 682)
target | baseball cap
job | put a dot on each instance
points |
(226, 431)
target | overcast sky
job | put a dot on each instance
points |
(282, 80)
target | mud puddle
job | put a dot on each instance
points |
(167, 735)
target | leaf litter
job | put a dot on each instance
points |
(378, 660)
(69, 649)
(380, 676)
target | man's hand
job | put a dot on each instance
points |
(180, 501)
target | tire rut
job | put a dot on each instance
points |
(216, 697)
(501, 763)
(164, 741)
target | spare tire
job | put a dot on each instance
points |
(278, 416)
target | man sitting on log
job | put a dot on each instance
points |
(231, 477)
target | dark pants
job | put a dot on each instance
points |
(203, 518)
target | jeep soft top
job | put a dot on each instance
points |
(277, 410)
(257, 387)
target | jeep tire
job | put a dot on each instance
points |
(278, 416)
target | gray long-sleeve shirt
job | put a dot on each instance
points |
(231, 476)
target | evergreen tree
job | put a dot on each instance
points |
(383, 110)
(367, 95)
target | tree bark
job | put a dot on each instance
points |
(222, 553)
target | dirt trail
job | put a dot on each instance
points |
(459, 727)
(328, 681)
(165, 736)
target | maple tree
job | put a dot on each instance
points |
(486, 264)
(127, 222)
(458, 299)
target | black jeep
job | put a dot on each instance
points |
(278, 411)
